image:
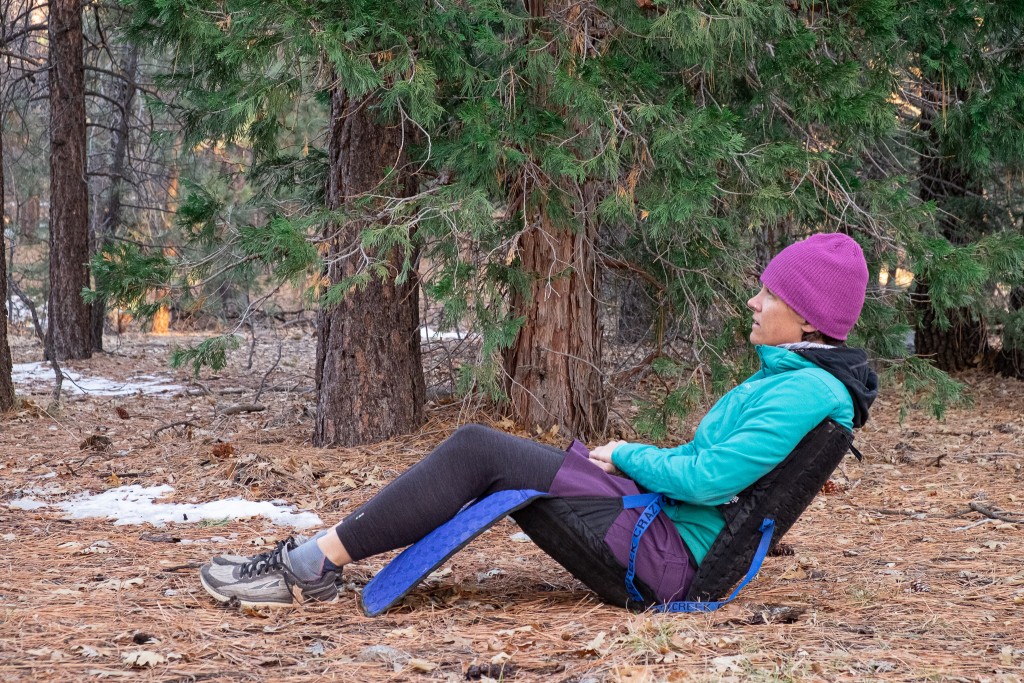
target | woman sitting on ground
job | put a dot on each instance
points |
(811, 297)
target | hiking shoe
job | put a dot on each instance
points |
(289, 543)
(266, 581)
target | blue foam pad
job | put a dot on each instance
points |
(402, 574)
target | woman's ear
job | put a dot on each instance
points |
(808, 330)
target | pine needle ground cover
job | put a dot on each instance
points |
(902, 570)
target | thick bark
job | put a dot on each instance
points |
(368, 372)
(69, 318)
(553, 365)
(959, 346)
(107, 225)
(962, 344)
(6, 385)
(552, 369)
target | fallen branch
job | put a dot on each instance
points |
(974, 524)
(169, 425)
(202, 389)
(235, 410)
(887, 511)
(1001, 515)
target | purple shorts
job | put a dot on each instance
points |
(663, 561)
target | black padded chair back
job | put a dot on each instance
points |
(782, 494)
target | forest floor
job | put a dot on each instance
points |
(894, 576)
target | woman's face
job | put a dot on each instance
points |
(774, 321)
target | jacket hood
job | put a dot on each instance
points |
(849, 366)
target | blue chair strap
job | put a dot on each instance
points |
(652, 503)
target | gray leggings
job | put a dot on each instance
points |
(473, 462)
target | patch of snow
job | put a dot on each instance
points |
(48, 490)
(74, 383)
(430, 334)
(26, 504)
(135, 505)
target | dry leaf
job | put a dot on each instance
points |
(118, 584)
(143, 658)
(594, 646)
(409, 632)
(421, 665)
(724, 665)
(633, 674)
(107, 673)
(439, 574)
(513, 631)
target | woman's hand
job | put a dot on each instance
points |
(602, 456)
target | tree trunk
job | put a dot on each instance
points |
(636, 312)
(1009, 360)
(959, 346)
(553, 365)
(107, 224)
(368, 372)
(962, 344)
(552, 369)
(69, 321)
(6, 385)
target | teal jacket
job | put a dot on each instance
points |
(744, 436)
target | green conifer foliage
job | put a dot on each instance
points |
(684, 141)
(963, 82)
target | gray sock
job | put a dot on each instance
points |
(309, 562)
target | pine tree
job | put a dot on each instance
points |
(965, 76)
(69, 331)
(369, 376)
(6, 385)
(104, 228)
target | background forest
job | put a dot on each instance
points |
(585, 191)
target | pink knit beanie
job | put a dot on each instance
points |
(824, 279)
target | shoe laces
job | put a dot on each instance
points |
(268, 561)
